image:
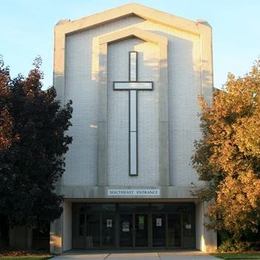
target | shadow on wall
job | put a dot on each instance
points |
(187, 80)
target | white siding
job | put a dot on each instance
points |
(118, 114)
(184, 87)
(81, 160)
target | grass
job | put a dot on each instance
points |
(25, 257)
(9, 254)
(238, 256)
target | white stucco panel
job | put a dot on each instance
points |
(118, 114)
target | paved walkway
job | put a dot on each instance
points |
(185, 255)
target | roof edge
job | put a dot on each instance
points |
(137, 9)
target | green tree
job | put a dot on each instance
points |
(33, 140)
(227, 156)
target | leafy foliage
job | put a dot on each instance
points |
(228, 155)
(33, 141)
(233, 246)
(6, 121)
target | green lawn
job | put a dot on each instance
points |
(25, 257)
(238, 256)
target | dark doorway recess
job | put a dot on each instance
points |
(133, 225)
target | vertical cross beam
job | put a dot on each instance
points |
(133, 86)
(133, 137)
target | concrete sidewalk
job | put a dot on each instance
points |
(185, 255)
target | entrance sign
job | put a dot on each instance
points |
(158, 222)
(133, 86)
(141, 222)
(125, 226)
(109, 223)
(133, 192)
(188, 226)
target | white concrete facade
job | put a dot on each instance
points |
(90, 54)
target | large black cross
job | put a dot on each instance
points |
(133, 86)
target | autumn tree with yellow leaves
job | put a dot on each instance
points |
(227, 156)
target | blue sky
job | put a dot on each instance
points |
(26, 30)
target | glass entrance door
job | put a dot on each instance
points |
(88, 232)
(141, 230)
(126, 230)
(133, 230)
(92, 231)
(174, 230)
(159, 230)
(108, 230)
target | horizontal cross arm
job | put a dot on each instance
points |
(128, 85)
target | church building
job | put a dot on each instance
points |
(134, 75)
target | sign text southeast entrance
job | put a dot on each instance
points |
(133, 192)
